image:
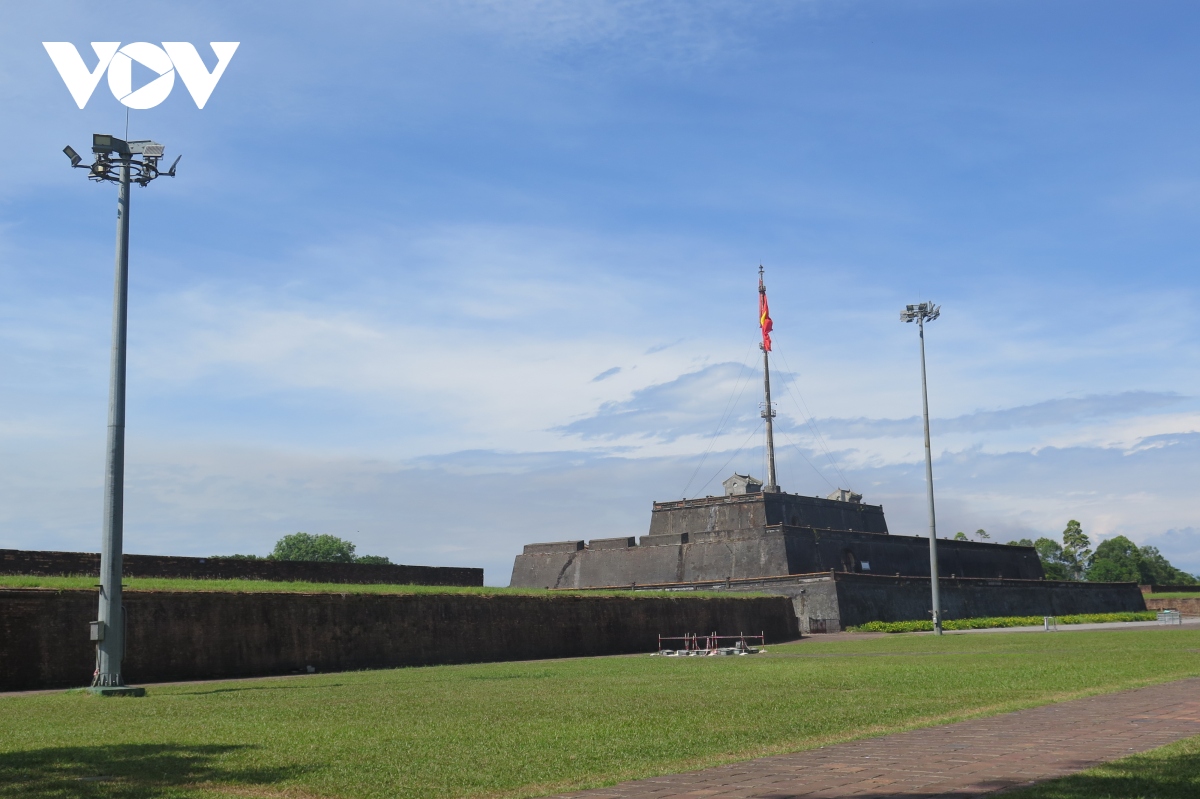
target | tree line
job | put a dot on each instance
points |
(1116, 560)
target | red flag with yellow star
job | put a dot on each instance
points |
(764, 315)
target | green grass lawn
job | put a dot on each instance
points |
(1175, 595)
(524, 729)
(272, 586)
(1171, 772)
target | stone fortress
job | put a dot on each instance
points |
(834, 557)
(749, 533)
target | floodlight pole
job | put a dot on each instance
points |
(110, 649)
(109, 629)
(920, 313)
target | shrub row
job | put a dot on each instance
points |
(998, 621)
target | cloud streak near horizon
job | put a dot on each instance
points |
(685, 406)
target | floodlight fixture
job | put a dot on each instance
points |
(109, 144)
(119, 162)
(921, 313)
(140, 158)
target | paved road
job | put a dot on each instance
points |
(971, 758)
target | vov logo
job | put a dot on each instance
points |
(172, 57)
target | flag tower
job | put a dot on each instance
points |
(768, 412)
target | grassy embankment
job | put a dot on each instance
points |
(1174, 595)
(524, 729)
(270, 586)
(1171, 772)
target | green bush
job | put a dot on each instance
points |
(325, 548)
(304, 546)
(998, 621)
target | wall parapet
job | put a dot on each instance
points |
(52, 564)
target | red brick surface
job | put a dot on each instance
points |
(1187, 606)
(971, 758)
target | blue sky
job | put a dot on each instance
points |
(446, 279)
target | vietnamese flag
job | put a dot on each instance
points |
(764, 315)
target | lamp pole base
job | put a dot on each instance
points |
(115, 690)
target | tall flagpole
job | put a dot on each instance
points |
(768, 413)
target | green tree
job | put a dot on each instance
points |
(1120, 560)
(1050, 552)
(1157, 570)
(982, 535)
(1117, 560)
(1024, 542)
(304, 546)
(1076, 550)
(376, 559)
(960, 536)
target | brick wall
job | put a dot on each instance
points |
(1188, 606)
(48, 564)
(189, 636)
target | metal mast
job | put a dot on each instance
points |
(110, 649)
(768, 412)
(108, 631)
(921, 312)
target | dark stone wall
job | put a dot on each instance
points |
(190, 636)
(49, 564)
(746, 511)
(863, 598)
(838, 550)
(814, 601)
(738, 512)
(771, 552)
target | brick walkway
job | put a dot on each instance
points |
(971, 758)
